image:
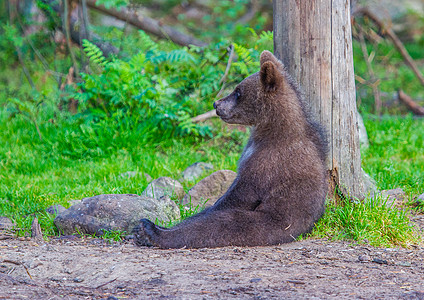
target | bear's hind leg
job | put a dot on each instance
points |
(232, 227)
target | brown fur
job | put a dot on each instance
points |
(280, 189)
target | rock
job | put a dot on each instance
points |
(363, 136)
(164, 186)
(114, 212)
(73, 202)
(394, 197)
(210, 189)
(196, 170)
(364, 258)
(36, 232)
(419, 201)
(370, 186)
(6, 223)
(379, 261)
(55, 209)
(131, 174)
(414, 295)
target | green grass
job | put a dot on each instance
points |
(395, 157)
(369, 222)
(35, 174)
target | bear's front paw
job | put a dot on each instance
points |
(143, 233)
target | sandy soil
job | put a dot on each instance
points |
(73, 268)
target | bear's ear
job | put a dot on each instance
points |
(268, 56)
(270, 77)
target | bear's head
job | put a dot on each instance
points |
(250, 99)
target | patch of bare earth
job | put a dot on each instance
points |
(72, 268)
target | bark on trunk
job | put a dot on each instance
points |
(313, 39)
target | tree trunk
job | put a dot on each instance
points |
(313, 39)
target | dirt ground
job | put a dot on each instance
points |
(74, 268)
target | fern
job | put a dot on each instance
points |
(180, 55)
(94, 53)
(166, 88)
(138, 60)
(243, 53)
(266, 36)
(147, 42)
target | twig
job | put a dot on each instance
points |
(36, 230)
(205, 116)
(66, 17)
(34, 120)
(212, 113)
(6, 236)
(68, 80)
(386, 30)
(107, 48)
(24, 68)
(12, 15)
(105, 283)
(253, 9)
(148, 24)
(227, 70)
(18, 264)
(411, 104)
(37, 53)
(375, 90)
(85, 19)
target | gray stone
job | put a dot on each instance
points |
(6, 223)
(55, 209)
(114, 212)
(419, 201)
(196, 170)
(131, 174)
(73, 202)
(364, 258)
(363, 136)
(208, 190)
(164, 186)
(394, 197)
(370, 186)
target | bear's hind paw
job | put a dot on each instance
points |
(143, 232)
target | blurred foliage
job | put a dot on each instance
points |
(154, 88)
(388, 65)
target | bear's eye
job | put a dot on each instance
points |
(237, 94)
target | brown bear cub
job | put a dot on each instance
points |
(281, 186)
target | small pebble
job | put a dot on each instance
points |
(78, 279)
(380, 261)
(404, 264)
(129, 237)
(364, 258)
(255, 280)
